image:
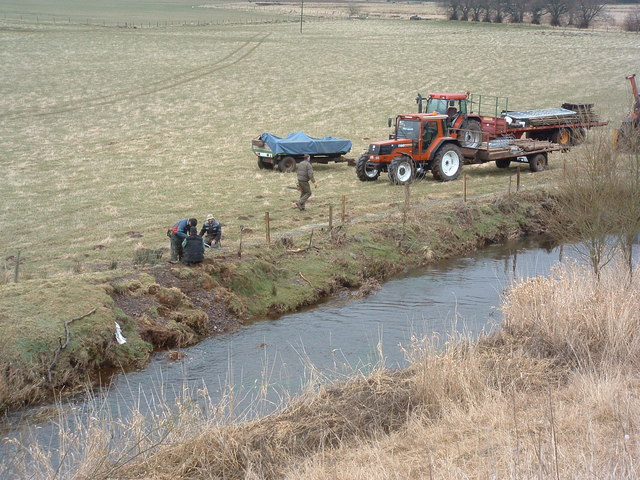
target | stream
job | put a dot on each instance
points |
(267, 361)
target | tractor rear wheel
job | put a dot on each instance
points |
(367, 172)
(287, 164)
(537, 162)
(503, 162)
(264, 165)
(447, 163)
(402, 170)
(471, 134)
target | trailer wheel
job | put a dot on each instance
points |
(537, 162)
(264, 165)
(367, 172)
(287, 164)
(402, 170)
(562, 136)
(503, 162)
(447, 163)
(471, 134)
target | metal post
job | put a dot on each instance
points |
(518, 179)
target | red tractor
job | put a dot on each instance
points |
(420, 142)
(463, 124)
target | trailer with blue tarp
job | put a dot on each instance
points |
(285, 152)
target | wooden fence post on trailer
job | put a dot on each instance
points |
(343, 211)
(267, 223)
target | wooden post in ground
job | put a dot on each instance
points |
(17, 270)
(464, 187)
(518, 179)
(267, 223)
(510, 181)
(343, 212)
(331, 222)
(240, 245)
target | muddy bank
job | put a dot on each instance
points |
(167, 306)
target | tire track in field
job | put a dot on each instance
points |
(232, 58)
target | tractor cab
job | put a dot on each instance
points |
(454, 105)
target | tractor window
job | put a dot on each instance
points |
(408, 129)
(428, 134)
(437, 105)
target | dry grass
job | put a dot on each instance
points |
(553, 395)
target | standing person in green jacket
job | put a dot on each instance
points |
(305, 175)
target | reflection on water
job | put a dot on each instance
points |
(336, 338)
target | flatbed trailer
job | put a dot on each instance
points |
(505, 151)
(566, 125)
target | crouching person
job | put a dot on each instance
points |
(213, 229)
(193, 248)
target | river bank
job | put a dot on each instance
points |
(165, 306)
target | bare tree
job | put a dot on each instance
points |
(537, 10)
(587, 11)
(556, 9)
(452, 8)
(517, 9)
(632, 21)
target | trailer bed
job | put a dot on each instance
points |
(507, 148)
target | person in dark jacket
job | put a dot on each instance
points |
(213, 229)
(177, 234)
(193, 248)
(305, 175)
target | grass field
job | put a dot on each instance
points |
(109, 135)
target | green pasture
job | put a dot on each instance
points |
(109, 135)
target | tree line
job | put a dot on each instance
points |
(580, 13)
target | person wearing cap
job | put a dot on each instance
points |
(305, 175)
(193, 248)
(177, 234)
(213, 229)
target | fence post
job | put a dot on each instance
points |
(510, 181)
(240, 245)
(518, 179)
(267, 222)
(343, 211)
(464, 187)
(331, 221)
(15, 273)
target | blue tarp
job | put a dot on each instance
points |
(298, 143)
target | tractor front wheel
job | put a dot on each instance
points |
(471, 134)
(447, 163)
(287, 164)
(367, 172)
(537, 162)
(402, 170)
